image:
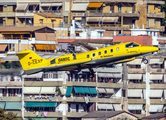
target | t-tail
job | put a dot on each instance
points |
(31, 62)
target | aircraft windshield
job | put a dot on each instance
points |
(131, 45)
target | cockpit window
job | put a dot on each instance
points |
(131, 45)
(52, 61)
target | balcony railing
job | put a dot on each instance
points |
(156, 15)
(33, 98)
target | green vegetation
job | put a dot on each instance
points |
(8, 116)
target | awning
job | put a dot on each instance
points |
(13, 105)
(77, 18)
(156, 108)
(93, 19)
(3, 47)
(109, 75)
(79, 7)
(156, 76)
(134, 92)
(61, 90)
(135, 62)
(48, 104)
(134, 107)
(32, 104)
(68, 91)
(48, 90)
(45, 47)
(51, 4)
(78, 90)
(110, 19)
(32, 90)
(101, 90)
(104, 106)
(2, 105)
(93, 90)
(165, 94)
(8, 3)
(95, 5)
(110, 91)
(135, 76)
(85, 90)
(10, 58)
(37, 75)
(155, 61)
(117, 107)
(156, 93)
(21, 7)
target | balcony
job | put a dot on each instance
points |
(157, 71)
(80, 99)
(92, 13)
(155, 2)
(136, 71)
(109, 100)
(78, 14)
(110, 85)
(109, 27)
(158, 86)
(42, 83)
(156, 15)
(29, 1)
(81, 84)
(28, 99)
(75, 114)
(7, 14)
(124, 1)
(49, 114)
(47, 1)
(157, 101)
(136, 86)
(11, 99)
(19, 113)
(6, 84)
(24, 15)
(136, 101)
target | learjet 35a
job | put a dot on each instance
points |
(124, 52)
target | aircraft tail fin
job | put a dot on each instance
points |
(30, 61)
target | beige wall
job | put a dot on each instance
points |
(23, 47)
(106, 9)
(42, 21)
(45, 36)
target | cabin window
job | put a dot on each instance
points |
(87, 56)
(131, 45)
(111, 50)
(93, 54)
(105, 51)
(52, 61)
(99, 53)
(117, 49)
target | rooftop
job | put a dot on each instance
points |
(155, 116)
(104, 114)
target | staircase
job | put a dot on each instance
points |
(78, 25)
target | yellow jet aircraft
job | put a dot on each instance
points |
(124, 52)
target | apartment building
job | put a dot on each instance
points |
(113, 16)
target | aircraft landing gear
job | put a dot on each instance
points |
(91, 74)
(145, 61)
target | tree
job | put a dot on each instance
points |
(8, 116)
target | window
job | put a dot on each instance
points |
(99, 53)
(93, 54)
(105, 51)
(111, 50)
(53, 61)
(131, 45)
(87, 56)
(117, 49)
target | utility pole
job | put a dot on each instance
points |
(125, 87)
